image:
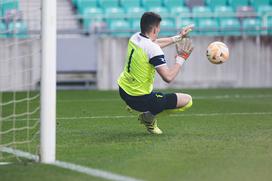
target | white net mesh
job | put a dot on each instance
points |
(20, 56)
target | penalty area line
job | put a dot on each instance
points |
(71, 166)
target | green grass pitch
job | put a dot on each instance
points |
(226, 136)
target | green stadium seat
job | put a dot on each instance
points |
(173, 3)
(251, 26)
(108, 3)
(151, 3)
(135, 25)
(224, 12)
(269, 26)
(168, 27)
(214, 3)
(208, 27)
(184, 22)
(17, 29)
(7, 5)
(130, 3)
(90, 16)
(120, 28)
(3, 30)
(230, 26)
(235, 4)
(257, 3)
(201, 12)
(134, 13)
(179, 10)
(263, 9)
(84, 4)
(114, 13)
(162, 11)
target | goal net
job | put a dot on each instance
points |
(23, 76)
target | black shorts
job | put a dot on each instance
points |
(155, 102)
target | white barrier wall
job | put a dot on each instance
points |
(250, 64)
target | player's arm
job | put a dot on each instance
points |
(164, 42)
(184, 49)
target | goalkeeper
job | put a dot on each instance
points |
(144, 57)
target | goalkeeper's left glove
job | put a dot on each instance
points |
(184, 49)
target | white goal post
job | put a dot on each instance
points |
(48, 82)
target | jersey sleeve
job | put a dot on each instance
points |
(156, 56)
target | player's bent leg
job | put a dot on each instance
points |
(184, 102)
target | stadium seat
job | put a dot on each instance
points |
(108, 3)
(17, 29)
(134, 13)
(151, 3)
(3, 30)
(173, 3)
(120, 28)
(168, 27)
(223, 12)
(230, 26)
(130, 3)
(84, 4)
(179, 10)
(162, 11)
(251, 26)
(201, 12)
(7, 5)
(114, 13)
(269, 26)
(184, 22)
(245, 10)
(235, 4)
(208, 27)
(90, 16)
(263, 9)
(214, 3)
(135, 25)
(257, 3)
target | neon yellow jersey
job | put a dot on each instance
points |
(143, 57)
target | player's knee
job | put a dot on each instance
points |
(184, 100)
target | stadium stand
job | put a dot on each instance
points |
(119, 28)
(224, 14)
(108, 3)
(214, 3)
(12, 24)
(236, 4)
(3, 29)
(251, 26)
(126, 4)
(230, 26)
(17, 29)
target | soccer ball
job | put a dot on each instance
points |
(217, 52)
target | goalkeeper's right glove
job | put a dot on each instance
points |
(184, 49)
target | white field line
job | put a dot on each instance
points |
(227, 96)
(74, 167)
(173, 115)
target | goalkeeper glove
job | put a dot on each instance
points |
(184, 32)
(184, 49)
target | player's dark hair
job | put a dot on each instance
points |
(148, 21)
